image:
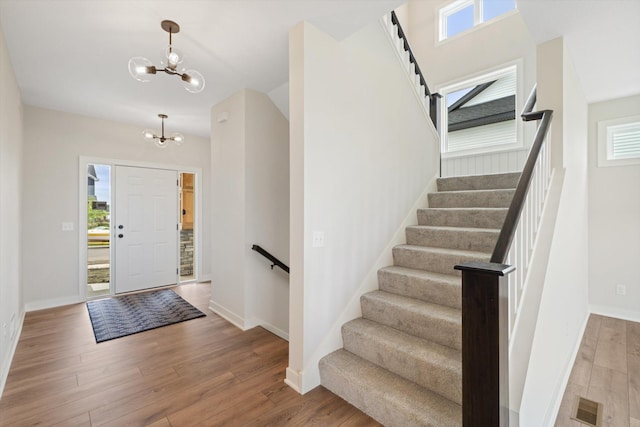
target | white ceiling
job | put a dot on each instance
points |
(72, 55)
(602, 37)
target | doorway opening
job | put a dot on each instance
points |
(187, 228)
(98, 230)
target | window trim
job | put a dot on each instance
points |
(475, 79)
(456, 6)
(604, 142)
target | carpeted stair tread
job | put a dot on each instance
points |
(434, 322)
(479, 182)
(438, 260)
(388, 398)
(433, 366)
(443, 289)
(463, 217)
(471, 199)
(465, 238)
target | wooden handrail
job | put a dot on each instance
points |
(508, 230)
(434, 98)
(274, 260)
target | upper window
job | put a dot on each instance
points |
(462, 15)
(619, 142)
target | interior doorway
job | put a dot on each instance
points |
(187, 227)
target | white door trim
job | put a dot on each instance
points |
(83, 161)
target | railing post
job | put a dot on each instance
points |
(434, 109)
(485, 344)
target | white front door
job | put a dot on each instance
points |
(146, 234)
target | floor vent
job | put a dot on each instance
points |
(588, 412)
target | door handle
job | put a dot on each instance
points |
(121, 235)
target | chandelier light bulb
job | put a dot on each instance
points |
(148, 134)
(177, 138)
(193, 81)
(141, 69)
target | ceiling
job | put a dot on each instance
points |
(602, 37)
(72, 55)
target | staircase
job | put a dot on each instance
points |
(401, 361)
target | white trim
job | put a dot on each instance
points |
(294, 379)
(552, 410)
(6, 365)
(83, 161)
(604, 158)
(616, 312)
(475, 79)
(230, 316)
(441, 31)
(271, 328)
(52, 303)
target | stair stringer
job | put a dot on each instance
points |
(521, 340)
(333, 339)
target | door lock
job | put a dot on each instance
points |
(121, 235)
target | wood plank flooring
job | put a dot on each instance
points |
(203, 372)
(606, 370)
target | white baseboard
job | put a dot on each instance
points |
(204, 278)
(618, 313)
(6, 364)
(52, 303)
(229, 315)
(294, 380)
(273, 329)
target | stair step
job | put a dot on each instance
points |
(426, 286)
(471, 199)
(426, 363)
(440, 324)
(386, 397)
(479, 182)
(465, 238)
(437, 260)
(463, 217)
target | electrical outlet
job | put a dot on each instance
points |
(67, 226)
(318, 239)
(621, 289)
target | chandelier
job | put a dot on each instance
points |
(141, 68)
(162, 141)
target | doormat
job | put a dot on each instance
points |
(129, 314)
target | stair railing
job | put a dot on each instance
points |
(431, 101)
(491, 294)
(275, 261)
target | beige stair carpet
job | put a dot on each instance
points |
(401, 362)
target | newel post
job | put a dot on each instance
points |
(485, 344)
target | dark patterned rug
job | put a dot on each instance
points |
(129, 314)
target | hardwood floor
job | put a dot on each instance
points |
(606, 370)
(203, 372)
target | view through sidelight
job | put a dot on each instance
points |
(187, 226)
(98, 230)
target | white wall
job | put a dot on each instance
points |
(250, 181)
(362, 153)
(488, 47)
(614, 221)
(54, 141)
(11, 147)
(563, 307)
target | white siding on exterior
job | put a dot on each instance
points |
(482, 137)
(504, 86)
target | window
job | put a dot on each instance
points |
(480, 114)
(462, 15)
(619, 141)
